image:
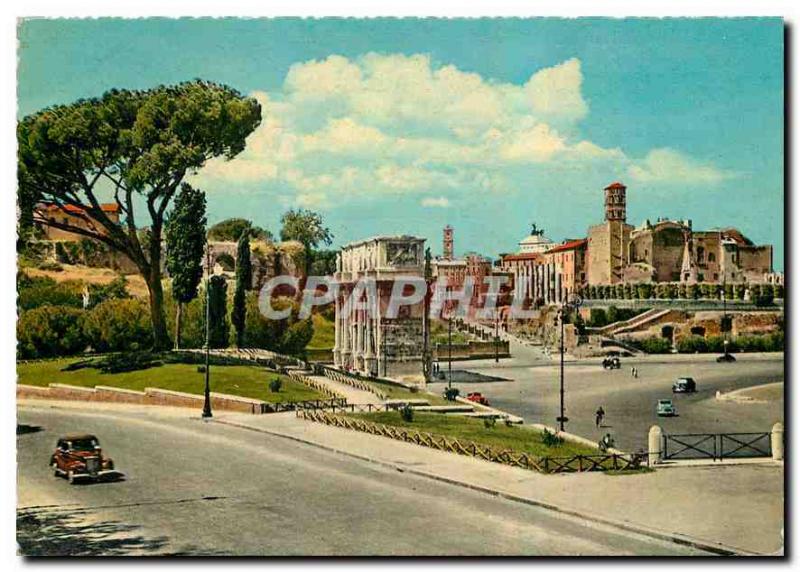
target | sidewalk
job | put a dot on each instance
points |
(727, 509)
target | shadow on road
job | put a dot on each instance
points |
(58, 534)
(42, 533)
(25, 429)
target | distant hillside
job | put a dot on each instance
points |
(136, 284)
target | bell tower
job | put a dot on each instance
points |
(447, 243)
(615, 202)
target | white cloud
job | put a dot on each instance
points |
(667, 165)
(344, 135)
(440, 202)
(556, 91)
(538, 144)
(395, 124)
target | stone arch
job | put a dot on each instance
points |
(698, 331)
(226, 261)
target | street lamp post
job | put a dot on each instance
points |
(449, 351)
(572, 303)
(207, 393)
(496, 340)
(725, 316)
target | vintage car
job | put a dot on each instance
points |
(78, 457)
(477, 397)
(684, 385)
(665, 408)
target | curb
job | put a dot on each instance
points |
(674, 537)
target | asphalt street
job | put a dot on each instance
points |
(200, 488)
(532, 393)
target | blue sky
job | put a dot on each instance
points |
(403, 126)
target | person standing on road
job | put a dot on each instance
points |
(598, 416)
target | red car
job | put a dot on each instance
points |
(477, 397)
(78, 457)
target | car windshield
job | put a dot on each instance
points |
(83, 444)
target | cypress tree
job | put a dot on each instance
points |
(186, 239)
(244, 277)
(218, 312)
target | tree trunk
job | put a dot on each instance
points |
(178, 316)
(161, 339)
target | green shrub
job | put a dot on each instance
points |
(597, 318)
(672, 291)
(692, 344)
(39, 291)
(51, 266)
(716, 344)
(296, 338)
(773, 342)
(407, 413)
(656, 345)
(489, 422)
(551, 439)
(275, 385)
(765, 295)
(630, 291)
(117, 325)
(116, 289)
(193, 323)
(50, 331)
(120, 362)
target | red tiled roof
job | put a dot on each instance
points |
(615, 185)
(105, 207)
(522, 256)
(569, 245)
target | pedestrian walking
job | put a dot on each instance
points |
(598, 416)
(633, 371)
(636, 373)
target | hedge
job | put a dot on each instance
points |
(760, 294)
(49, 331)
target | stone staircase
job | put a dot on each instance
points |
(632, 324)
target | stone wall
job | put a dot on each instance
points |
(150, 396)
(707, 324)
(471, 350)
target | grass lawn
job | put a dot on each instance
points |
(243, 380)
(520, 439)
(323, 333)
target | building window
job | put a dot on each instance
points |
(711, 257)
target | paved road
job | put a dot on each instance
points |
(630, 403)
(204, 488)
